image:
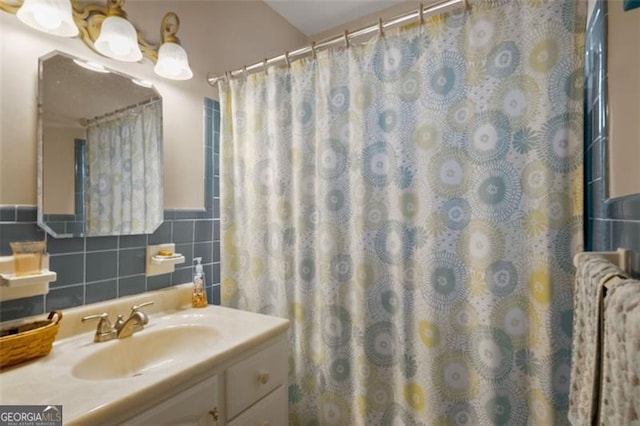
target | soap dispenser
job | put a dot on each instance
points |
(199, 297)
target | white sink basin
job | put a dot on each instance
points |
(146, 352)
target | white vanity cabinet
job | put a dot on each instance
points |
(250, 389)
(196, 406)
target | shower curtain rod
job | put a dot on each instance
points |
(86, 121)
(435, 8)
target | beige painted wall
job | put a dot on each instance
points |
(59, 168)
(218, 35)
(624, 100)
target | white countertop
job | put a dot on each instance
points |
(50, 380)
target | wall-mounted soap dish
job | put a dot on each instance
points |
(13, 286)
(167, 260)
(162, 259)
(13, 280)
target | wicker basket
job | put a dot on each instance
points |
(28, 341)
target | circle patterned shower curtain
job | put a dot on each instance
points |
(412, 205)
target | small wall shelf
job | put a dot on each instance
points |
(167, 260)
(157, 264)
(12, 280)
(17, 287)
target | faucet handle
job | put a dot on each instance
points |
(105, 330)
(104, 326)
(136, 308)
(142, 305)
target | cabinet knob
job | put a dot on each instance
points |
(263, 377)
(214, 414)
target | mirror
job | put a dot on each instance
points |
(100, 150)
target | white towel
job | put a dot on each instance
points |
(620, 389)
(593, 271)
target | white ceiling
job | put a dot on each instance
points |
(315, 16)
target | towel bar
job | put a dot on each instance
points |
(620, 257)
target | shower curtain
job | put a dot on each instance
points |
(412, 205)
(124, 172)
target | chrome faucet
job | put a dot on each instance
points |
(122, 328)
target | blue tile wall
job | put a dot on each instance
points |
(631, 4)
(597, 228)
(94, 269)
(609, 223)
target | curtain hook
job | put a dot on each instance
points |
(286, 59)
(244, 72)
(265, 65)
(421, 13)
(380, 27)
(313, 50)
(467, 5)
(346, 39)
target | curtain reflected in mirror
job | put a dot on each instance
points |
(124, 190)
(100, 151)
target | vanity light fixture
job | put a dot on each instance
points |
(50, 16)
(106, 30)
(172, 58)
(118, 38)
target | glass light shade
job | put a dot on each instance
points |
(49, 16)
(172, 62)
(118, 40)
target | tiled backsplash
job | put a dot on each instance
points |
(93, 269)
(610, 223)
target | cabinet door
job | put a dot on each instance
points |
(269, 411)
(196, 406)
(254, 377)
